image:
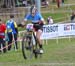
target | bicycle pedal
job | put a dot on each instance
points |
(37, 51)
(28, 48)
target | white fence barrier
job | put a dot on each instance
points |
(56, 31)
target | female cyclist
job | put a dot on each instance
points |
(37, 20)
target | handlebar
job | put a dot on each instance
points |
(21, 25)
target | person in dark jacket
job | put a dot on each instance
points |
(72, 16)
(58, 3)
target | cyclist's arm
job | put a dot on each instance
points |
(42, 19)
(25, 19)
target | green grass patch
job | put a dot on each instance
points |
(61, 52)
(57, 17)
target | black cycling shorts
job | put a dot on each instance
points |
(37, 26)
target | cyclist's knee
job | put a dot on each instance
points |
(40, 31)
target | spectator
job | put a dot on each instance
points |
(49, 20)
(45, 3)
(72, 16)
(58, 3)
(2, 36)
(12, 32)
(62, 2)
(28, 2)
(24, 3)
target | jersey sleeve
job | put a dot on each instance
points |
(40, 17)
(27, 17)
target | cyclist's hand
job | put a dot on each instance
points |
(21, 25)
(42, 23)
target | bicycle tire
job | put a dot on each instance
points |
(27, 53)
(35, 50)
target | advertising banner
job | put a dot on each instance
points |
(58, 30)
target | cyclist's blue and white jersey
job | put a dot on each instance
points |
(35, 18)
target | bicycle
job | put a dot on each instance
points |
(30, 45)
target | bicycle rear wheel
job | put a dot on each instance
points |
(27, 49)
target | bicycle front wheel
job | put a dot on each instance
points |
(27, 47)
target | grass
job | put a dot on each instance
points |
(57, 17)
(63, 52)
